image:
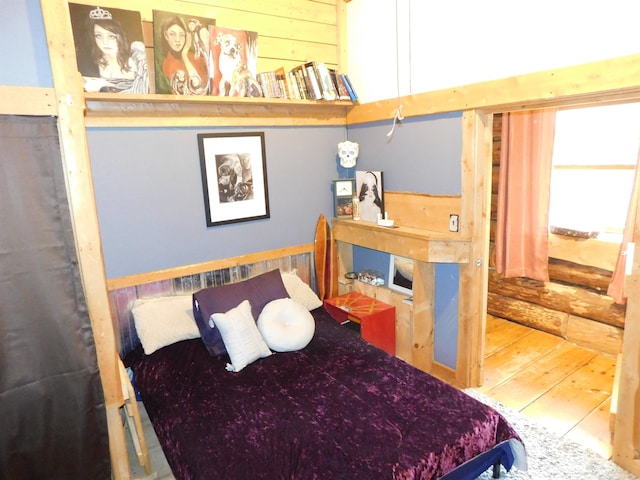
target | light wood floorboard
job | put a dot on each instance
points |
(564, 387)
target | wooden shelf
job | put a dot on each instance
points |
(419, 244)
(117, 109)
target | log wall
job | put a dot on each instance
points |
(573, 304)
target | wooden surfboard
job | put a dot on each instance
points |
(330, 284)
(321, 246)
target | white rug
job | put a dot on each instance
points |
(549, 456)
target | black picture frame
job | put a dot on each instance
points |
(344, 190)
(234, 177)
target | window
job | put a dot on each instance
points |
(594, 160)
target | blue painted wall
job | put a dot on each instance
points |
(148, 189)
(25, 58)
(148, 184)
(422, 155)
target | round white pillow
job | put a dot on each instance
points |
(286, 325)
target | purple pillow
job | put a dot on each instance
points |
(259, 290)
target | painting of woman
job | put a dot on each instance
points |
(107, 59)
(182, 62)
(370, 195)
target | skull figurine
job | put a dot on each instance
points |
(348, 153)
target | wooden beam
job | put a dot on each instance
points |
(117, 110)
(474, 224)
(77, 168)
(423, 315)
(609, 80)
(571, 299)
(626, 437)
(218, 264)
(27, 101)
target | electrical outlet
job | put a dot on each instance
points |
(453, 223)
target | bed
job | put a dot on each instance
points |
(334, 408)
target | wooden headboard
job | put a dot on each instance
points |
(124, 291)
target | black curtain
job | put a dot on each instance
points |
(52, 413)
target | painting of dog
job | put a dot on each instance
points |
(235, 59)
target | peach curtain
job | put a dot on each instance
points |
(522, 231)
(616, 287)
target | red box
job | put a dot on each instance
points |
(377, 320)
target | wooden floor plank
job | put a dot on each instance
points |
(579, 403)
(575, 397)
(502, 333)
(593, 431)
(505, 363)
(535, 380)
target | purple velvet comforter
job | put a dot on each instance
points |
(339, 409)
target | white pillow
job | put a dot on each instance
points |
(300, 291)
(162, 321)
(240, 335)
(286, 325)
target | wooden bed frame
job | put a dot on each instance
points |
(124, 291)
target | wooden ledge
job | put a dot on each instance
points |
(416, 243)
(155, 110)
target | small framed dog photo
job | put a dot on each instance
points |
(234, 177)
(343, 192)
(235, 61)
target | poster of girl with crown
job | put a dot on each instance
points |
(109, 49)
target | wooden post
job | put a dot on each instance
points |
(75, 157)
(626, 436)
(474, 223)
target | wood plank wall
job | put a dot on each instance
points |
(573, 304)
(289, 33)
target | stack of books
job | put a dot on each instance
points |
(308, 81)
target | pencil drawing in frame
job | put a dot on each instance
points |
(234, 177)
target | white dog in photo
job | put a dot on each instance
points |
(228, 61)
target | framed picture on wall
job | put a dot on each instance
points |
(400, 274)
(343, 192)
(234, 177)
(370, 195)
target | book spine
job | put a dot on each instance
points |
(293, 85)
(263, 85)
(308, 89)
(347, 84)
(295, 73)
(328, 90)
(275, 88)
(343, 94)
(314, 80)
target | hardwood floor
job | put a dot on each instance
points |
(565, 387)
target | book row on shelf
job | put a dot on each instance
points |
(308, 81)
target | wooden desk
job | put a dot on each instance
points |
(377, 320)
